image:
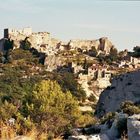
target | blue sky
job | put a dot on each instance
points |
(76, 19)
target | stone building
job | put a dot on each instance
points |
(97, 72)
(14, 32)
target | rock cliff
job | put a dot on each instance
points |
(102, 44)
(125, 87)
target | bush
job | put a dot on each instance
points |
(52, 110)
(107, 117)
(92, 98)
(129, 108)
(122, 127)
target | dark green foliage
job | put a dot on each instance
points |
(113, 56)
(93, 52)
(25, 44)
(8, 44)
(52, 110)
(68, 83)
(113, 53)
(107, 117)
(136, 52)
(20, 80)
(130, 108)
(122, 127)
(92, 98)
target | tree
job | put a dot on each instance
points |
(136, 52)
(7, 110)
(53, 110)
(113, 54)
(85, 66)
(25, 44)
(130, 108)
(8, 44)
(93, 51)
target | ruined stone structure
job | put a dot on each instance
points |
(8, 33)
(102, 44)
(41, 41)
(97, 71)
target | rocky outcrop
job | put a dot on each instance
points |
(53, 62)
(42, 41)
(102, 44)
(133, 126)
(125, 87)
(91, 137)
(111, 130)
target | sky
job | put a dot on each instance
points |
(119, 20)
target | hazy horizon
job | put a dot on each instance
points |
(76, 19)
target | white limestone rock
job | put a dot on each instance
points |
(133, 126)
(123, 88)
(90, 137)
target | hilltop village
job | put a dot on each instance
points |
(93, 62)
(80, 89)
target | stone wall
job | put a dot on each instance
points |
(36, 39)
(102, 44)
(14, 32)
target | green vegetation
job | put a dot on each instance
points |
(52, 110)
(130, 108)
(136, 52)
(25, 44)
(92, 98)
(43, 104)
(107, 117)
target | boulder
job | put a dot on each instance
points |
(133, 126)
(123, 88)
(90, 137)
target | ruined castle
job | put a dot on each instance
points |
(43, 42)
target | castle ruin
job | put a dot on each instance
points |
(14, 32)
(41, 41)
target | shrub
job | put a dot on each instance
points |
(122, 127)
(92, 98)
(52, 110)
(129, 108)
(107, 117)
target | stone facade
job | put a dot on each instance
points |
(97, 71)
(14, 32)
